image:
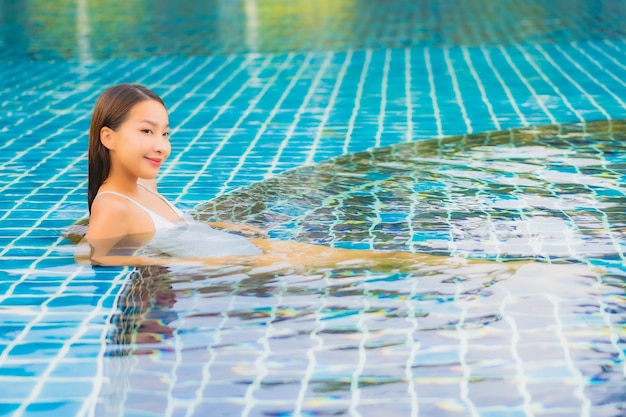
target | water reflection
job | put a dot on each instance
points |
(212, 341)
(96, 29)
(146, 313)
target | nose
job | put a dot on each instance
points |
(161, 145)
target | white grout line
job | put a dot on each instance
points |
(574, 83)
(206, 368)
(595, 79)
(548, 81)
(310, 354)
(530, 88)
(433, 92)
(484, 203)
(481, 87)
(414, 346)
(9, 291)
(612, 45)
(383, 98)
(261, 368)
(172, 163)
(40, 162)
(357, 100)
(457, 91)
(77, 105)
(81, 329)
(377, 206)
(522, 382)
(408, 95)
(51, 155)
(89, 405)
(43, 310)
(463, 349)
(313, 87)
(47, 81)
(267, 121)
(504, 86)
(361, 327)
(606, 56)
(329, 106)
(200, 133)
(184, 80)
(188, 95)
(172, 379)
(579, 391)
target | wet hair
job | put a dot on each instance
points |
(111, 110)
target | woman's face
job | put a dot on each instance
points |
(141, 144)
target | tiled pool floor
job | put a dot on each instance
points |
(237, 119)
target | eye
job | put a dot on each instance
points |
(166, 134)
(147, 131)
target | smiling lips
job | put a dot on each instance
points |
(155, 161)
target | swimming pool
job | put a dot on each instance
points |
(263, 96)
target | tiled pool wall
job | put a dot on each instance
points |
(85, 29)
(359, 80)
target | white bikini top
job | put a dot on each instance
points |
(188, 238)
(160, 222)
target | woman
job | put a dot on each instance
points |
(131, 224)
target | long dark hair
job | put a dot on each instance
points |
(111, 110)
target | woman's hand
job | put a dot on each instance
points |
(243, 229)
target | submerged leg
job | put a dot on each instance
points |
(309, 255)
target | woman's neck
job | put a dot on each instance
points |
(124, 184)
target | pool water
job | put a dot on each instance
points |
(457, 129)
(550, 192)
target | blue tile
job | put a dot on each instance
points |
(7, 409)
(66, 408)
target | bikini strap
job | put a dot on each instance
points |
(173, 207)
(159, 222)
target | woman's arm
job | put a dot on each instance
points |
(86, 254)
(244, 229)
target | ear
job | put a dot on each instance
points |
(107, 137)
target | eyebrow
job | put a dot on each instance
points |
(152, 123)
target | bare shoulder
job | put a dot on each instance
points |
(108, 203)
(109, 217)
